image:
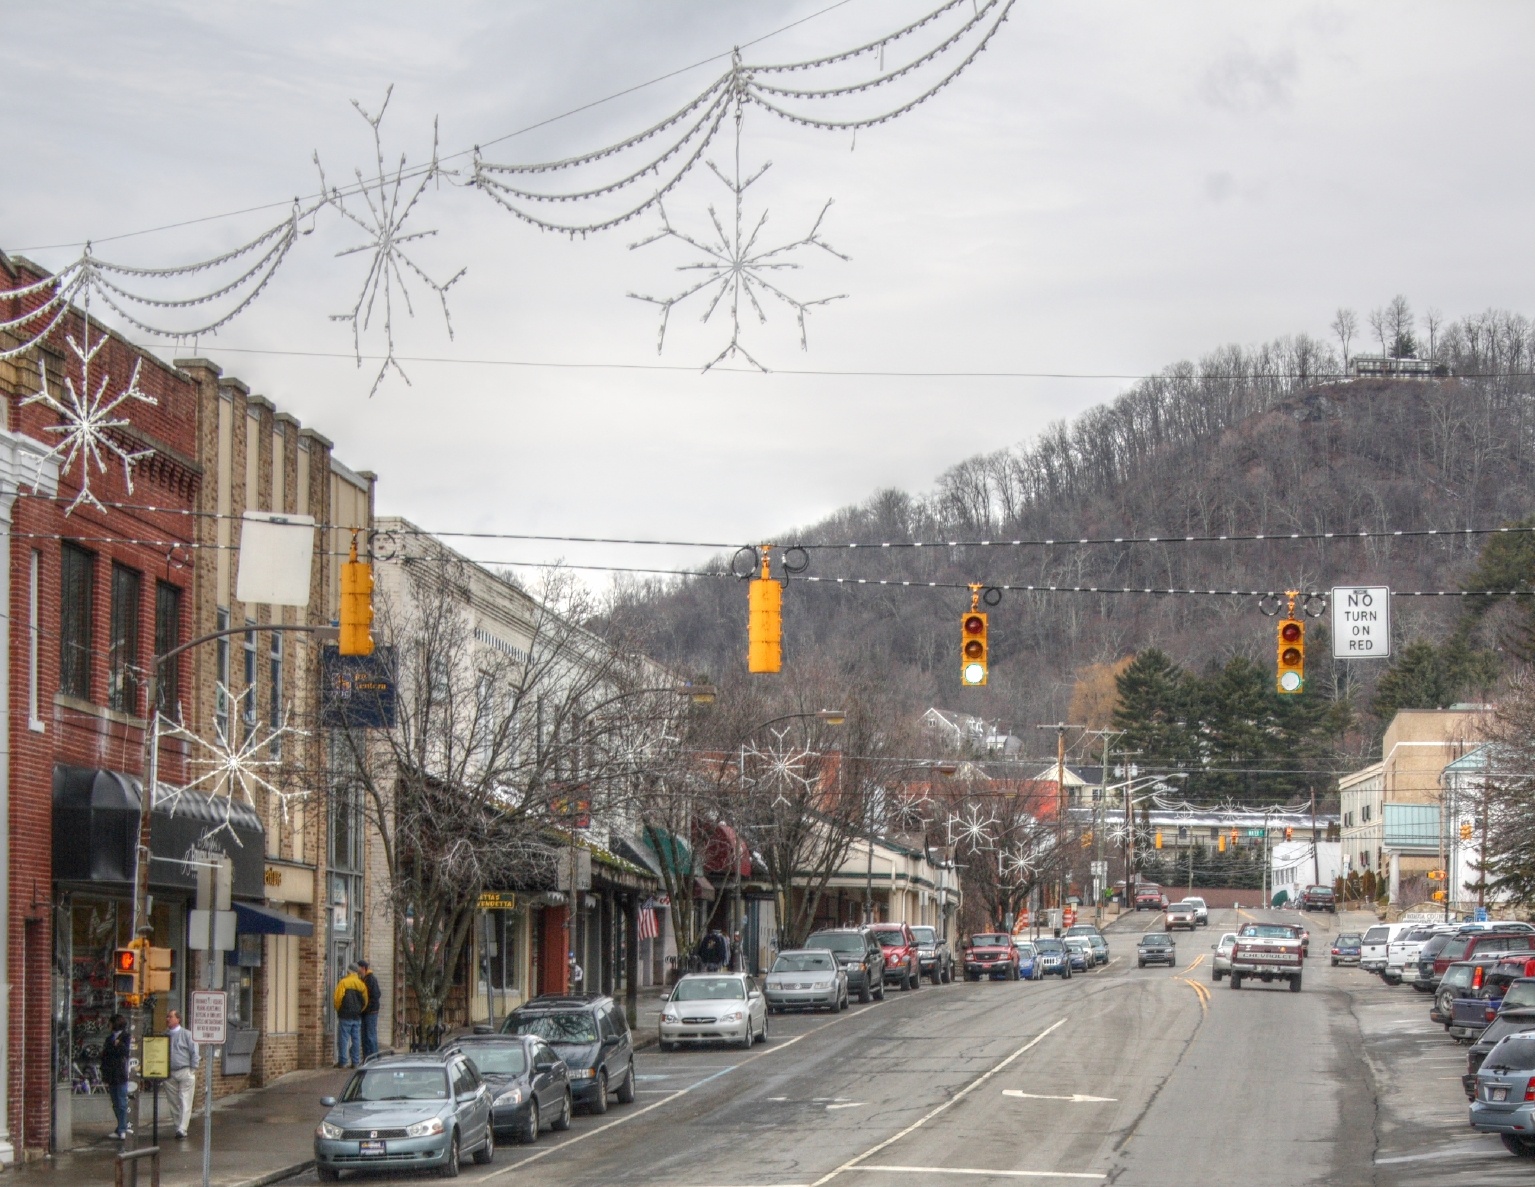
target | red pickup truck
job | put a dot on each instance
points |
(1149, 897)
(1270, 952)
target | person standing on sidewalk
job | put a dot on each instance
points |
(350, 1000)
(370, 1011)
(184, 1060)
(114, 1072)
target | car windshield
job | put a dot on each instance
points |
(1077, 942)
(1421, 934)
(569, 1026)
(925, 935)
(847, 942)
(1081, 929)
(1195, 902)
(1430, 948)
(1376, 934)
(1049, 946)
(1155, 942)
(699, 989)
(890, 938)
(1269, 931)
(1514, 1054)
(498, 1059)
(1520, 994)
(988, 939)
(804, 962)
(1348, 939)
(398, 1083)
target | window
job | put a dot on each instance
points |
(221, 676)
(501, 950)
(248, 696)
(167, 636)
(77, 582)
(123, 649)
(274, 702)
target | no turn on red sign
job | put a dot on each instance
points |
(1361, 622)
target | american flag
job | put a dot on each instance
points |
(649, 929)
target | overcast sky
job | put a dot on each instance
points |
(1112, 187)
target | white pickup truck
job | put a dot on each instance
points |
(1270, 951)
(1372, 952)
(1402, 953)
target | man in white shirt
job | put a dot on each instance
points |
(184, 1060)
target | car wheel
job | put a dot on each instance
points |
(326, 1174)
(626, 1089)
(749, 1037)
(450, 1167)
(562, 1121)
(880, 992)
(762, 1035)
(1517, 1145)
(1236, 980)
(1295, 983)
(1215, 975)
(1335, 962)
(1068, 972)
(531, 1124)
(864, 995)
(486, 1154)
(1140, 964)
(599, 1101)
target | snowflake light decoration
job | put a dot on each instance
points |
(389, 200)
(91, 428)
(233, 772)
(1019, 861)
(971, 827)
(783, 767)
(735, 266)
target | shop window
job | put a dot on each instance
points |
(500, 940)
(123, 671)
(77, 584)
(168, 636)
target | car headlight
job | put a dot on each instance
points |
(583, 1073)
(422, 1129)
(733, 1016)
(669, 1015)
(329, 1132)
(856, 966)
(822, 985)
(512, 1096)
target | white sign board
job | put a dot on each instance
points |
(275, 555)
(223, 925)
(1361, 621)
(209, 1017)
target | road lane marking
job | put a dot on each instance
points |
(1076, 1098)
(965, 1170)
(853, 1163)
(852, 1104)
(1201, 992)
(1195, 963)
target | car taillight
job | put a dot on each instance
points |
(1529, 1089)
(1476, 977)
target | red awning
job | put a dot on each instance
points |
(724, 851)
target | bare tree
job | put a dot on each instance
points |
(1433, 322)
(1380, 326)
(1399, 323)
(1344, 326)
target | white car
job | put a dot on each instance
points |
(806, 979)
(1402, 953)
(714, 1008)
(1220, 963)
(1201, 911)
(1372, 953)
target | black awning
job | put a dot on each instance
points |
(254, 920)
(96, 826)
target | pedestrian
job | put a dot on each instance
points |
(370, 1011)
(114, 1071)
(184, 1060)
(350, 1000)
(577, 975)
(712, 950)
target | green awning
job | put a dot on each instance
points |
(673, 854)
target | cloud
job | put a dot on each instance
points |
(1243, 81)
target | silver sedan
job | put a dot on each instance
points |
(806, 979)
(1220, 963)
(714, 1008)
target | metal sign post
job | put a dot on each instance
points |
(210, 1030)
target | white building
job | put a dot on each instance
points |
(1295, 865)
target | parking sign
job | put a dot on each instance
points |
(209, 1017)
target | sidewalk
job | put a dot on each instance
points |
(259, 1137)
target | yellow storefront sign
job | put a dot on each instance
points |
(497, 900)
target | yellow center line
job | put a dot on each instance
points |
(1197, 961)
(1200, 992)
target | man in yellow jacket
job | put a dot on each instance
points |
(350, 1000)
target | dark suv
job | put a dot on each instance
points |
(1319, 898)
(933, 955)
(860, 956)
(591, 1036)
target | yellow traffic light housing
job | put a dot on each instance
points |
(356, 605)
(1465, 830)
(1087, 839)
(1291, 653)
(764, 622)
(1438, 896)
(974, 646)
(1220, 843)
(1289, 833)
(1158, 839)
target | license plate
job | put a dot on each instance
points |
(1499, 1094)
(371, 1148)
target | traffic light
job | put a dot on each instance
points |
(1289, 833)
(1220, 842)
(1465, 830)
(1291, 651)
(157, 970)
(973, 649)
(764, 622)
(1158, 839)
(356, 605)
(125, 972)
(1436, 875)
(1087, 839)
(1437, 896)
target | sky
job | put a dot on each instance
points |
(1109, 188)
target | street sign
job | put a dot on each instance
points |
(276, 552)
(1361, 621)
(1099, 869)
(1256, 832)
(357, 691)
(497, 900)
(157, 1058)
(209, 1017)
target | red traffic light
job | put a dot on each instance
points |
(1290, 632)
(125, 960)
(974, 624)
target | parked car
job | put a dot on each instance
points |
(1220, 963)
(714, 1008)
(1179, 915)
(860, 956)
(990, 956)
(591, 1034)
(1372, 952)
(1503, 1093)
(1471, 945)
(1052, 957)
(1080, 953)
(1462, 979)
(1201, 910)
(805, 979)
(1319, 898)
(1029, 967)
(529, 1086)
(1402, 954)
(901, 956)
(934, 957)
(1345, 948)
(406, 1112)
(1156, 948)
(1100, 946)
(1511, 1023)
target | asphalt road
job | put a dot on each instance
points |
(1125, 1076)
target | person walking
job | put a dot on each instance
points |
(114, 1072)
(350, 1000)
(577, 975)
(184, 1060)
(370, 1011)
(713, 950)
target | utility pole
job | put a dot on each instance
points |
(1316, 856)
(1063, 875)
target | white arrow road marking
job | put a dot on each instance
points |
(1077, 1098)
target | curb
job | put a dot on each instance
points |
(277, 1176)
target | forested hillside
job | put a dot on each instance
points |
(1247, 440)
